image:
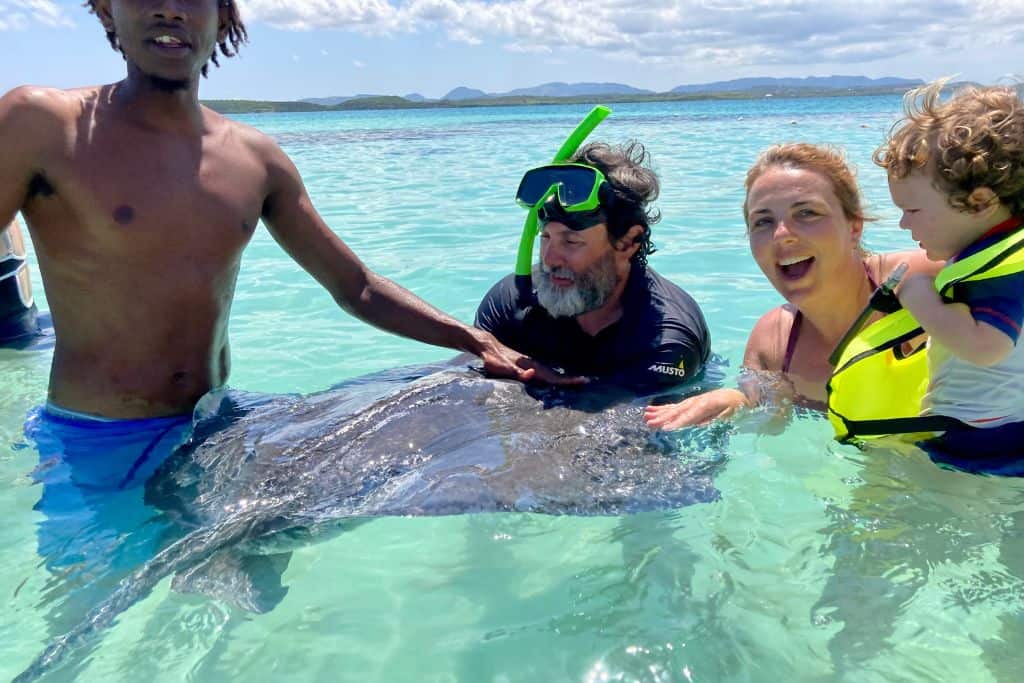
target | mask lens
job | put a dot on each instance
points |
(574, 184)
(535, 183)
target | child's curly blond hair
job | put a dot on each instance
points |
(974, 140)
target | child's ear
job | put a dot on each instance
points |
(982, 198)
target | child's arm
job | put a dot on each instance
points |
(952, 324)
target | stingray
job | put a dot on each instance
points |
(264, 474)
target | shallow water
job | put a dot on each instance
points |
(817, 562)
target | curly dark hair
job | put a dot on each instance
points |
(974, 140)
(632, 184)
(236, 35)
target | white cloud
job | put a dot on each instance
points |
(528, 48)
(359, 65)
(18, 15)
(377, 15)
(723, 31)
(13, 22)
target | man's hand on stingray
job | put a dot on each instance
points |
(501, 361)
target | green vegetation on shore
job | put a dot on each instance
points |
(395, 102)
(258, 107)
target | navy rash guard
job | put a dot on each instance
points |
(661, 338)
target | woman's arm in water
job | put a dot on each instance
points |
(764, 354)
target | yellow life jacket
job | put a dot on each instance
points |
(875, 388)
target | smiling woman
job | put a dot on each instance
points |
(804, 220)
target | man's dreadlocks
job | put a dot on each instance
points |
(236, 35)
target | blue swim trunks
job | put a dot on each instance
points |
(99, 454)
(92, 471)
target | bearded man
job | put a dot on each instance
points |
(597, 308)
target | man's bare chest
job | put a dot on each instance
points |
(142, 197)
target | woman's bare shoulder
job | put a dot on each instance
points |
(882, 265)
(766, 346)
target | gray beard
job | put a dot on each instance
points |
(590, 291)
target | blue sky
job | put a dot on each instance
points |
(315, 48)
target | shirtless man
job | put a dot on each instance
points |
(139, 202)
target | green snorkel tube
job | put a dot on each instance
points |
(524, 259)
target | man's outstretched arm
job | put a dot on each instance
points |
(299, 229)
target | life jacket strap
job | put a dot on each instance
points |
(898, 425)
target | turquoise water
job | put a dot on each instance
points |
(817, 563)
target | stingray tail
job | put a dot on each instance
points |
(180, 555)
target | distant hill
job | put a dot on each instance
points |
(574, 89)
(557, 89)
(590, 93)
(259, 106)
(464, 93)
(336, 99)
(811, 82)
(553, 89)
(340, 99)
(376, 102)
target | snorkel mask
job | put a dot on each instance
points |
(568, 187)
(576, 186)
(569, 194)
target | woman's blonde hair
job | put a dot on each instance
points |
(826, 160)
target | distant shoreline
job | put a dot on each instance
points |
(395, 102)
